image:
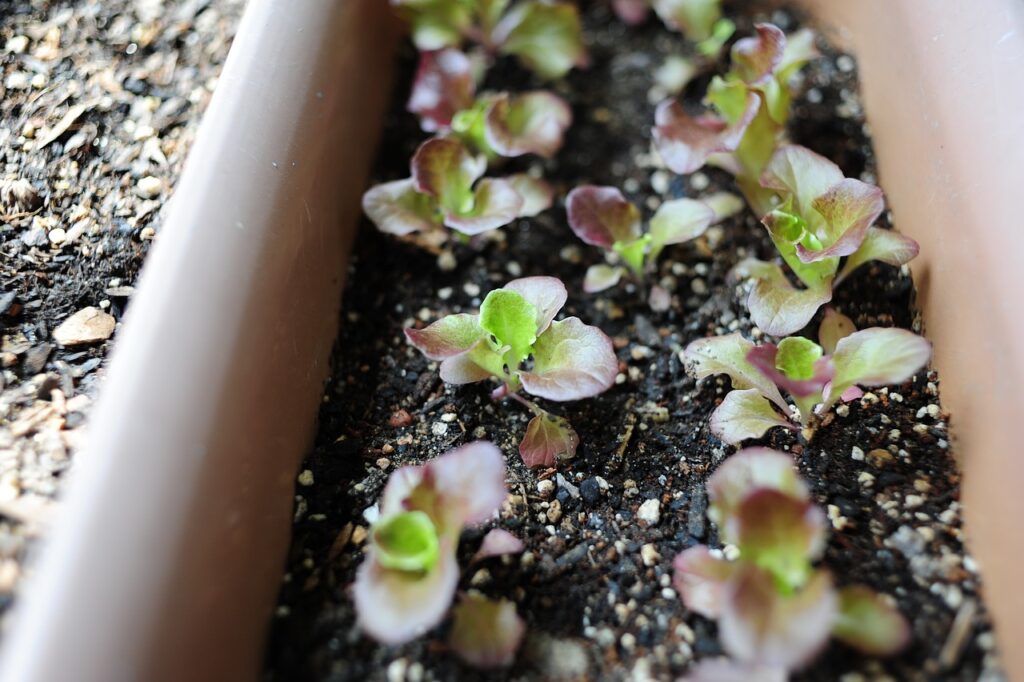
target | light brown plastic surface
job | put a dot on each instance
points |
(165, 563)
(166, 560)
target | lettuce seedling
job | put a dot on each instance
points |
(751, 106)
(516, 340)
(601, 216)
(486, 633)
(496, 125)
(699, 20)
(801, 368)
(447, 190)
(820, 218)
(407, 580)
(545, 37)
(775, 610)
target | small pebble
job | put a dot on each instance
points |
(649, 512)
(149, 187)
(306, 477)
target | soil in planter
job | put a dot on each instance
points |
(595, 582)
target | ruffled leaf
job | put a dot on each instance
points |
(601, 277)
(802, 173)
(498, 542)
(449, 336)
(693, 18)
(395, 606)
(532, 123)
(536, 194)
(486, 633)
(512, 320)
(887, 246)
(779, 533)
(436, 23)
(869, 622)
(549, 440)
(755, 59)
(834, 326)
(702, 579)
(546, 294)
(601, 216)
(728, 355)
(795, 365)
(547, 38)
(444, 169)
(444, 85)
(685, 142)
(746, 471)
(397, 208)
(677, 221)
(775, 305)
(744, 414)
(760, 624)
(849, 208)
(495, 202)
(877, 357)
(571, 360)
(463, 369)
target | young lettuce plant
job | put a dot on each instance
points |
(447, 189)
(407, 581)
(545, 37)
(775, 610)
(699, 20)
(516, 340)
(495, 125)
(801, 368)
(820, 218)
(601, 216)
(751, 106)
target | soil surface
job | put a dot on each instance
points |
(100, 103)
(594, 585)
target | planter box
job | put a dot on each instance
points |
(168, 554)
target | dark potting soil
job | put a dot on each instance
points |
(594, 585)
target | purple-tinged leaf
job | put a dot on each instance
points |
(726, 670)
(444, 85)
(462, 487)
(532, 123)
(760, 624)
(601, 277)
(877, 357)
(702, 579)
(498, 542)
(746, 471)
(802, 173)
(601, 216)
(779, 533)
(444, 169)
(685, 142)
(870, 622)
(775, 305)
(834, 326)
(724, 205)
(849, 208)
(546, 37)
(462, 369)
(549, 439)
(537, 194)
(744, 414)
(546, 294)
(571, 360)
(799, 50)
(631, 12)
(448, 337)
(756, 58)
(728, 355)
(659, 299)
(396, 606)
(887, 246)
(495, 202)
(486, 633)
(397, 208)
(679, 220)
(765, 359)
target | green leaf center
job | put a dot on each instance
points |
(406, 542)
